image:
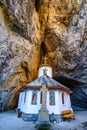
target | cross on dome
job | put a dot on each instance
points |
(45, 60)
(45, 68)
(45, 71)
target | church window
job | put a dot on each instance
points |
(41, 98)
(34, 97)
(62, 98)
(52, 98)
(25, 97)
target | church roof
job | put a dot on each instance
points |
(44, 79)
(50, 83)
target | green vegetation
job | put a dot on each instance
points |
(43, 126)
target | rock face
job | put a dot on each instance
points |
(31, 29)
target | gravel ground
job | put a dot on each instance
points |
(10, 121)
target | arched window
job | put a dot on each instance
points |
(52, 98)
(41, 98)
(62, 98)
(34, 97)
(25, 97)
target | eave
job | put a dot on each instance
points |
(48, 87)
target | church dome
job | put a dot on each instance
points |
(45, 69)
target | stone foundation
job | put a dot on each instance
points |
(55, 118)
(30, 117)
(34, 117)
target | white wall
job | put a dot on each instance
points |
(67, 104)
(53, 108)
(20, 100)
(49, 71)
(27, 107)
(24, 104)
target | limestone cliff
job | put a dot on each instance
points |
(31, 29)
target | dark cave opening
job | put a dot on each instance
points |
(37, 5)
(43, 49)
(20, 31)
(1, 4)
(69, 82)
(78, 96)
(8, 2)
(17, 29)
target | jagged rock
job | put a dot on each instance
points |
(79, 98)
(29, 30)
(16, 56)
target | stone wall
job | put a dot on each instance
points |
(31, 29)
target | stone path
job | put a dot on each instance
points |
(9, 121)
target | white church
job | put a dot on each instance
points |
(57, 97)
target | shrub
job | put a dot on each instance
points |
(43, 126)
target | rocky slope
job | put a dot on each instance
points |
(31, 29)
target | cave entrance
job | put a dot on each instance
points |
(37, 5)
